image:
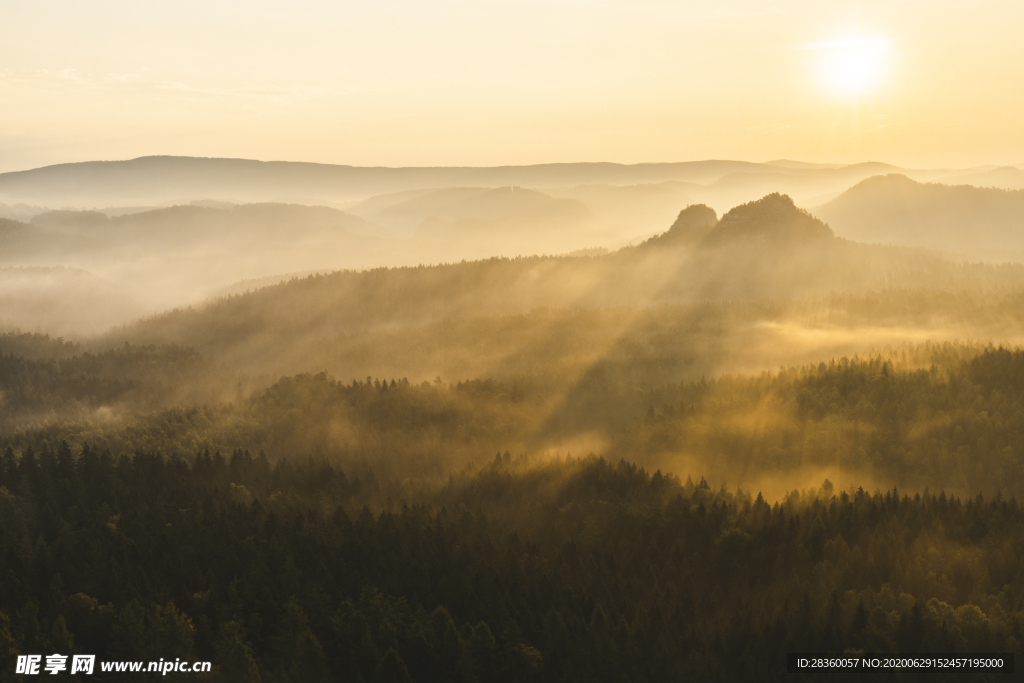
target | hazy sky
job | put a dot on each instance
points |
(486, 82)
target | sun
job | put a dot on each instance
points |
(853, 67)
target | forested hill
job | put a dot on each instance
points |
(763, 250)
(941, 416)
(60, 234)
(773, 221)
(356, 547)
(894, 209)
(690, 228)
(269, 572)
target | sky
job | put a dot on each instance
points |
(921, 84)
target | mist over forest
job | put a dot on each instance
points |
(168, 232)
(569, 422)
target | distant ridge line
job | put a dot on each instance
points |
(153, 179)
(553, 164)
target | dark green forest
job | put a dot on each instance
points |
(567, 569)
(946, 416)
(314, 529)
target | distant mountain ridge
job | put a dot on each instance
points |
(471, 209)
(182, 254)
(895, 209)
(244, 222)
(159, 179)
(1004, 177)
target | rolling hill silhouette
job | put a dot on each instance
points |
(61, 235)
(1004, 177)
(894, 209)
(772, 220)
(160, 179)
(466, 210)
(165, 179)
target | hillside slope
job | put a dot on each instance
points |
(894, 209)
(475, 316)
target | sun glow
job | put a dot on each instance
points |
(853, 67)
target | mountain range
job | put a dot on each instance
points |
(765, 250)
(162, 179)
(179, 255)
(894, 209)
